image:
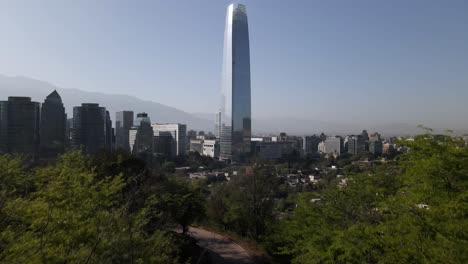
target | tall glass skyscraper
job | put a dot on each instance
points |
(235, 101)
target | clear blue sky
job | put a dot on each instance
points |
(360, 61)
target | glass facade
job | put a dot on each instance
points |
(123, 124)
(90, 125)
(19, 127)
(53, 123)
(235, 102)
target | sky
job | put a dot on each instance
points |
(339, 61)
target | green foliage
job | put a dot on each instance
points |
(82, 211)
(184, 203)
(412, 212)
(245, 204)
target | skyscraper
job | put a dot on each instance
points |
(53, 124)
(141, 135)
(123, 123)
(109, 133)
(19, 126)
(235, 100)
(356, 144)
(90, 125)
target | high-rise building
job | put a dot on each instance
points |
(374, 136)
(164, 144)
(356, 144)
(365, 135)
(19, 126)
(53, 125)
(375, 147)
(217, 128)
(141, 135)
(90, 125)
(177, 131)
(109, 133)
(68, 132)
(235, 103)
(141, 117)
(123, 123)
(310, 144)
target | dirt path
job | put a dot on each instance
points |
(222, 249)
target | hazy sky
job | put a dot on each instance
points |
(358, 61)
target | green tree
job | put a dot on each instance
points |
(74, 216)
(413, 212)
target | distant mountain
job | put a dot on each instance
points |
(38, 90)
(297, 126)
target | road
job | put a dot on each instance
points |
(222, 250)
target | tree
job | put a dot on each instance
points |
(75, 216)
(412, 212)
(245, 204)
(183, 203)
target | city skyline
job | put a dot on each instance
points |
(398, 62)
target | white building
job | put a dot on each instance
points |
(178, 132)
(211, 148)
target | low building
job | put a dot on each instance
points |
(196, 145)
(271, 150)
(331, 146)
(211, 148)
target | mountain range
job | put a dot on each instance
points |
(160, 113)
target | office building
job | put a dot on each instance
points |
(141, 117)
(217, 128)
(374, 137)
(375, 147)
(211, 148)
(365, 135)
(331, 146)
(123, 124)
(271, 150)
(196, 145)
(236, 103)
(19, 127)
(110, 139)
(141, 135)
(356, 144)
(177, 131)
(310, 144)
(68, 132)
(90, 128)
(164, 144)
(53, 126)
(191, 134)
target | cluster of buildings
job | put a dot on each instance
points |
(355, 144)
(275, 147)
(34, 130)
(31, 129)
(42, 130)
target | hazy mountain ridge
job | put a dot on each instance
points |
(38, 90)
